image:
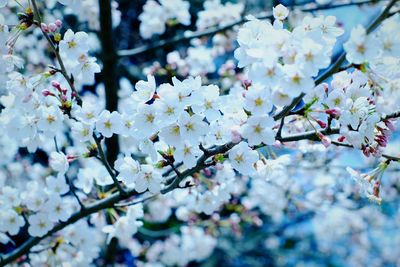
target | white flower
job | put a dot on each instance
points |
(207, 102)
(295, 81)
(171, 134)
(56, 209)
(312, 57)
(74, 44)
(188, 154)
(258, 100)
(87, 113)
(266, 73)
(57, 185)
(11, 222)
(86, 68)
(147, 122)
(39, 224)
(148, 178)
(280, 12)
(128, 169)
(81, 131)
(258, 129)
(3, 3)
(361, 48)
(126, 226)
(242, 158)
(192, 127)
(145, 90)
(109, 123)
(59, 162)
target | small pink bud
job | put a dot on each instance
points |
(333, 112)
(70, 158)
(326, 141)
(321, 124)
(46, 92)
(341, 138)
(58, 23)
(246, 84)
(44, 27)
(236, 137)
(56, 85)
(207, 172)
(64, 98)
(64, 91)
(52, 27)
(390, 125)
(277, 144)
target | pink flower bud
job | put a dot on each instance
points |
(64, 98)
(246, 84)
(56, 85)
(321, 124)
(44, 27)
(52, 27)
(46, 92)
(333, 112)
(70, 158)
(390, 125)
(277, 144)
(236, 137)
(326, 141)
(341, 138)
(58, 23)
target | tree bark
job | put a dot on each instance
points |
(109, 72)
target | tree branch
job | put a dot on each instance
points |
(109, 71)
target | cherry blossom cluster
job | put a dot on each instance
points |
(205, 157)
(156, 15)
(217, 14)
(284, 62)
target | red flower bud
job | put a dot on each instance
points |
(321, 124)
(58, 23)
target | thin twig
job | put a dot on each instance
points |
(53, 47)
(107, 165)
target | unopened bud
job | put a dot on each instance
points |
(46, 92)
(321, 124)
(326, 141)
(71, 158)
(246, 84)
(56, 85)
(236, 137)
(58, 23)
(333, 112)
(52, 27)
(44, 27)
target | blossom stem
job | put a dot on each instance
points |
(107, 165)
(63, 70)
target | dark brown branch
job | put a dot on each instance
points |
(109, 71)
